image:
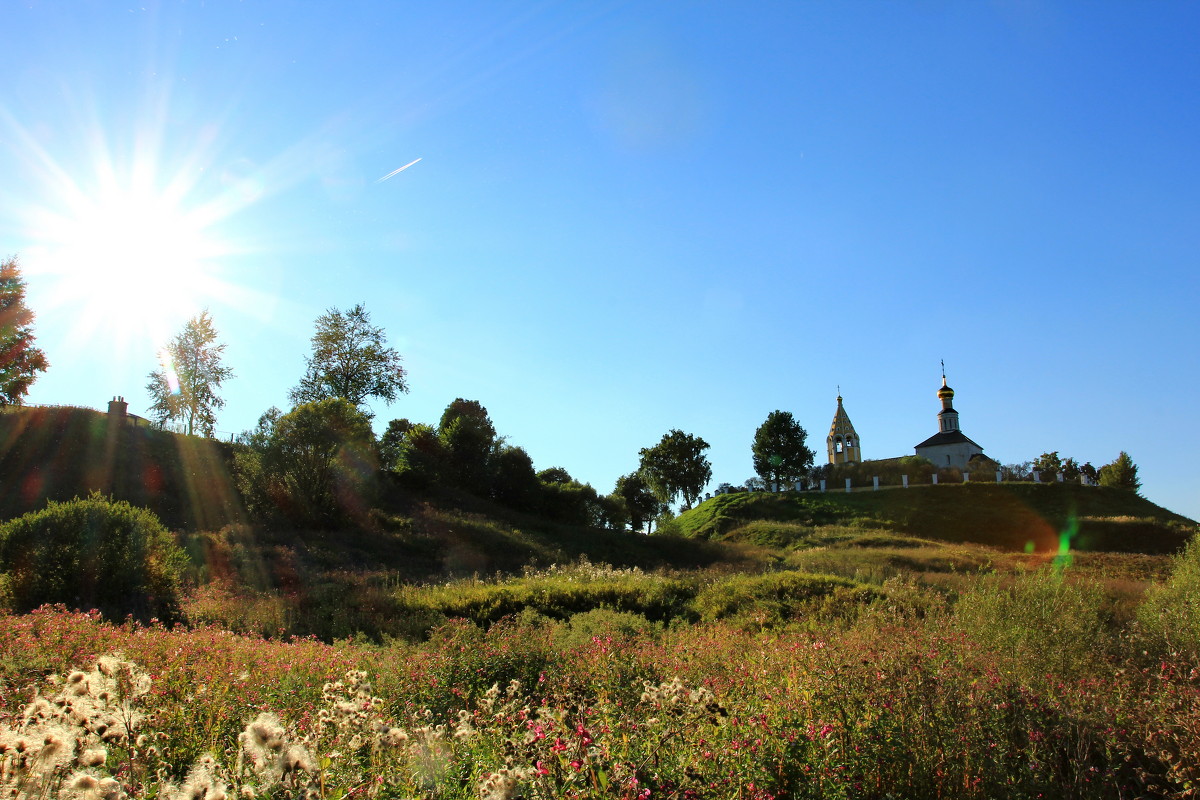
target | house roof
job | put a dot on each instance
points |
(947, 437)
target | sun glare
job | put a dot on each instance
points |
(131, 257)
(127, 246)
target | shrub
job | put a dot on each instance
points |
(1040, 624)
(92, 553)
(1171, 612)
(768, 599)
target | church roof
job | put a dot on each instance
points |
(947, 437)
(841, 422)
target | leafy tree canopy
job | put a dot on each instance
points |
(20, 361)
(781, 456)
(555, 475)
(319, 461)
(676, 467)
(351, 360)
(185, 386)
(641, 504)
(1048, 465)
(470, 441)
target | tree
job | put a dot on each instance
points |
(676, 466)
(514, 482)
(554, 475)
(350, 360)
(1048, 465)
(257, 437)
(470, 440)
(1121, 473)
(420, 456)
(780, 455)
(640, 501)
(389, 443)
(20, 361)
(185, 386)
(1070, 470)
(319, 461)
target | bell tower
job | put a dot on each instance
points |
(843, 442)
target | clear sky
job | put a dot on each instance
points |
(632, 217)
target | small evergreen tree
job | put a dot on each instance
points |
(1121, 473)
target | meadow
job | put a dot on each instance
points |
(1032, 678)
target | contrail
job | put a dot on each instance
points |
(397, 171)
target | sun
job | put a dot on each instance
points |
(125, 233)
(132, 256)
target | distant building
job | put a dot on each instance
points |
(843, 442)
(949, 447)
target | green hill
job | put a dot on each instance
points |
(1011, 516)
(62, 453)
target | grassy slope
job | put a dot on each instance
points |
(62, 453)
(1009, 516)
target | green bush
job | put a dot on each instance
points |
(770, 599)
(92, 553)
(1171, 612)
(1038, 624)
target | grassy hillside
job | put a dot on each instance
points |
(61, 453)
(1012, 516)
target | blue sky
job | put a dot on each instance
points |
(632, 217)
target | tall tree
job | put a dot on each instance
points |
(20, 361)
(1122, 473)
(351, 360)
(781, 456)
(676, 466)
(185, 387)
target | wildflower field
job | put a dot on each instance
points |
(1038, 682)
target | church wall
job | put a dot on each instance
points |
(950, 455)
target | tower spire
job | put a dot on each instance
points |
(843, 443)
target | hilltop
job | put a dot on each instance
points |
(1009, 516)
